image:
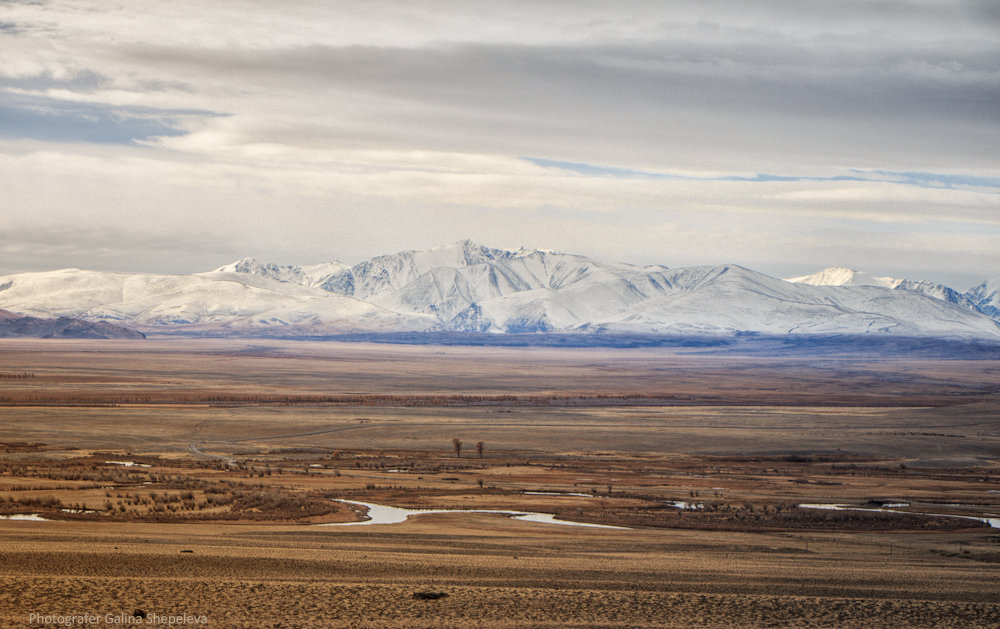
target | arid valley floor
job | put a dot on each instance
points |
(188, 479)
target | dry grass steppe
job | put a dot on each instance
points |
(186, 477)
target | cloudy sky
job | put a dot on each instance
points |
(786, 136)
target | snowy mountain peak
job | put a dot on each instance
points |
(251, 266)
(464, 253)
(841, 276)
(302, 275)
(243, 265)
(472, 252)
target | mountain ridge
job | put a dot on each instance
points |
(467, 287)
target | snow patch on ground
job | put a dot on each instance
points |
(33, 517)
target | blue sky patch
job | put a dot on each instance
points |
(590, 169)
(936, 180)
(919, 179)
(52, 120)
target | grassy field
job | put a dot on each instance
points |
(185, 477)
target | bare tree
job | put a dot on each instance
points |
(479, 448)
(457, 444)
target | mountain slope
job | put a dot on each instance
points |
(447, 281)
(986, 297)
(486, 271)
(467, 287)
(770, 305)
(726, 299)
(194, 303)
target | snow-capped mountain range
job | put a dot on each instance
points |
(468, 287)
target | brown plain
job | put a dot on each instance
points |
(239, 447)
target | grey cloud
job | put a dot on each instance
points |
(28, 249)
(857, 83)
(83, 81)
(782, 97)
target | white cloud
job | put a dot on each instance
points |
(323, 130)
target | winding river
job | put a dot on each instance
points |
(384, 514)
